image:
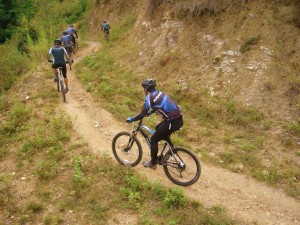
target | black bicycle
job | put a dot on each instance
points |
(180, 165)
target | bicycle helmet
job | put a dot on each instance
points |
(57, 42)
(71, 25)
(149, 84)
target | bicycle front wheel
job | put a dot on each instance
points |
(127, 150)
(183, 167)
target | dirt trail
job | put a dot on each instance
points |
(245, 199)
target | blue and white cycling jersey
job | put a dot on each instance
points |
(162, 104)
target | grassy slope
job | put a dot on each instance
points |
(228, 100)
(48, 174)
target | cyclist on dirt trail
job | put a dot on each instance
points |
(71, 31)
(167, 108)
(60, 57)
(67, 43)
(105, 27)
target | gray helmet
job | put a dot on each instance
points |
(149, 84)
(57, 41)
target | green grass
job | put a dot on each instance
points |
(65, 176)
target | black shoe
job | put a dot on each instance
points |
(148, 164)
(55, 79)
(67, 89)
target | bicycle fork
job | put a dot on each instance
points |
(130, 141)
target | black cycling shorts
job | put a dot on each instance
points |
(64, 69)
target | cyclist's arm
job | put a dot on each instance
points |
(49, 54)
(76, 33)
(144, 112)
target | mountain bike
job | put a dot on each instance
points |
(61, 86)
(180, 165)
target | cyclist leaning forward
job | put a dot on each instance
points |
(60, 57)
(168, 109)
(67, 43)
(71, 31)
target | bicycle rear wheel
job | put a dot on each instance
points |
(183, 167)
(127, 150)
(61, 85)
(70, 58)
(75, 47)
(62, 90)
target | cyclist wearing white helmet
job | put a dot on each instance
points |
(167, 108)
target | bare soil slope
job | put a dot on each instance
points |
(245, 199)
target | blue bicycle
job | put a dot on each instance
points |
(180, 165)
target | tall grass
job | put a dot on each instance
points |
(13, 64)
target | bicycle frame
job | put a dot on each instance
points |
(143, 130)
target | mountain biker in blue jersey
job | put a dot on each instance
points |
(60, 57)
(156, 101)
(71, 31)
(67, 41)
(105, 27)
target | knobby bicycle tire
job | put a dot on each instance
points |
(126, 149)
(184, 174)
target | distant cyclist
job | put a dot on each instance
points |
(167, 108)
(105, 28)
(60, 57)
(71, 31)
(67, 41)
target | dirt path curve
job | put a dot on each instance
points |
(245, 199)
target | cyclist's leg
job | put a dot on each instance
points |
(161, 133)
(73, 39)
(174, 126)
(54, 67)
